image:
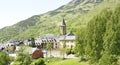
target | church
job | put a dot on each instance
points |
(57, 41)
(67, 39)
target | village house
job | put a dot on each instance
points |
(36, 53)
(10, 47)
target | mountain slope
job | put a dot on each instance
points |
(76, 13)
(11, 31)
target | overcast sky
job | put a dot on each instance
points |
(13, 11)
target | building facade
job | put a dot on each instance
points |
(52, 39)
(68, 40)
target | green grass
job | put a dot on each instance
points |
(66, 62)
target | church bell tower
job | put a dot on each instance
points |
(63, 27)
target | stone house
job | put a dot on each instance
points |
(10, 47)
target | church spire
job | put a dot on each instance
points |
(63, 27)
(63, 22)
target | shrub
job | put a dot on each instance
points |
(39, 61)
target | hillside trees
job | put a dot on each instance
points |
(80, 45)
(32, 44)
(23, 57)
(102, 38)
(94, 35)
(4, 59)
(49, 47)
(112, 39)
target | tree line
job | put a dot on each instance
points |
(99, 42)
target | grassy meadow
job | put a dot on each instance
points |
(58, 61)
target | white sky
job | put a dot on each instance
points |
(13, 11)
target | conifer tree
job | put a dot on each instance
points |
(95, 32)
(80, 45)
(112, 40)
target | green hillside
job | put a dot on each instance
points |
(76, 13)
(11, 31)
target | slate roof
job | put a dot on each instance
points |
(48, 38)
(67, 38)
(70, 34)
(9, 43)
